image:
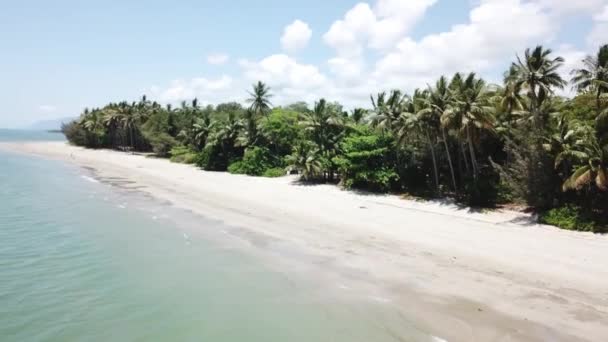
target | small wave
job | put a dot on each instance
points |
(89, 179)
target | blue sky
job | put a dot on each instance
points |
(61, 56)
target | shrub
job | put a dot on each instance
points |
(570, 217)
(367, 162)
(255, 162)
(484, 191)
(212, 158)
(274, 172)
(161, 143)
(182, 154)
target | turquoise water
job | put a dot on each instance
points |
(83, 260)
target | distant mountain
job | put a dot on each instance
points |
(47, 125)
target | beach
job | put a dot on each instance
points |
(463, 275)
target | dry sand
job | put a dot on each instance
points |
(461, 275)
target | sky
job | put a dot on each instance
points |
(58, 57)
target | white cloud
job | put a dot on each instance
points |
(573, 58)
(47, 108)
(217, 59)
(603, 15)
(575, 6)
(203, 88)
(599, 32)
(487, 41)
(378, 28)
(296, 36)
(290, 80)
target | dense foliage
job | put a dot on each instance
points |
(461, 137)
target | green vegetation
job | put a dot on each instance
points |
(481, 144)
(572, 218)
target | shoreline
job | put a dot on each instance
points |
(462, 276)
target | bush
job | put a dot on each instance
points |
(484, 191)
(211, 158)
(367, 162)
(274, 172)
(570, 217)
(161, 143)
(255, 162)
(182, 154)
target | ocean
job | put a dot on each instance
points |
(86, 260)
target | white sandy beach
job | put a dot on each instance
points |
(460, 275)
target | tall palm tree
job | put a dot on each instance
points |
(469, 114)
(593, 76)
(438, 101)
(419, 118)
(537, 73)
(260, 99)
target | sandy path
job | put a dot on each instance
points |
(460, 275)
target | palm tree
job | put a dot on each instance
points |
(306, 159)
(358, 114)
(537, 74)
(324, 125)
(568, 142)
(326, 128)
(510, 97)
(111, 119)
(386, 111)
(419, 118)
(469, 113)
(201, 129)
(252, 127)
(438, 101)
(260, 99)
(593, 76)
(595, 169)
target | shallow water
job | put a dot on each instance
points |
(84, 260)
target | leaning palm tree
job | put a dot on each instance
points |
(260, 99)
(593, 76)
(469, 113)
(537, 73)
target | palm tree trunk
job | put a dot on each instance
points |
(428, 138)
(598, 103)
(464, 157)
(472, 152)
(447, 152)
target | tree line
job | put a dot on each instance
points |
(461, 137)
